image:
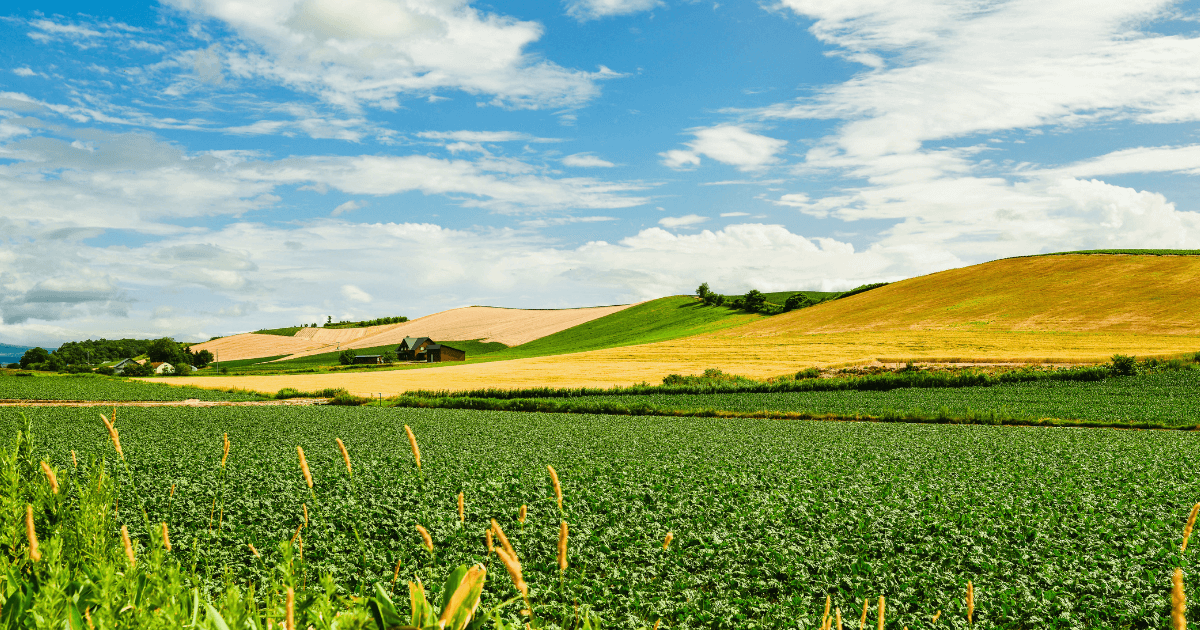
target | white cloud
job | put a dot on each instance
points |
(483, 136)
(734, 214)
(586, 160)
(584, 10)
(728, 144)
(351, 52)
(1181, 159)
(24, 72)
(679, 159)
(349, 206)
(356, 294)
(685, 220)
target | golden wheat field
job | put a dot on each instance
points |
(1056, 309)
(755, 356)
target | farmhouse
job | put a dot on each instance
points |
(119, 367)
(411, 346)
(425, 350)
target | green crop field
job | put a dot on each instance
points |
(91, 387)
(1056, 528)
(1169, 398)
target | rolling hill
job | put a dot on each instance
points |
(487, 324)
(1066, 308)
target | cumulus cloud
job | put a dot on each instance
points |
(351, 52)
(586, 160)
(584, 10)
(24, 72)
(728, 144)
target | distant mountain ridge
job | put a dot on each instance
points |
(11, 354)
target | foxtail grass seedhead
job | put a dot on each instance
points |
(521, 514)
(937, 615)
(1178, 602)
(862, 624)
(882, 610)
(514, 571)
(428, 542)
(396, 574)
(289, 619)
(172, 495)
(304, 467)
(461, 514)
(345, 456)
(667, 540)
(487, 539)
(656, 624)
(562, 546)
(74, 460)
(296, 533)
(112, 433)
(128, 546)
(305, 506)
(166, 537)
(224, 449)
(474, 577)
(51, 477)
(31, 534)
(412, 440)
(839, 619)
(1187, 530)
(503, 539)
(828, 603)
(253, 551)
(970, 602)
(557, 486)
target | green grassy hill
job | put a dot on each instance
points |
(658, 320)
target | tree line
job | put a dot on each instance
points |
(80, 356)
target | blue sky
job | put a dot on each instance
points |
(200, 167)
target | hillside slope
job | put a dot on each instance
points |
(508, 326)
(1157, 295)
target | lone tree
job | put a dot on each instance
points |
(703, 292)
(346, 357)
(34, 356)
(753, 301)
(795, 301)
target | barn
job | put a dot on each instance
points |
(436, 353)
(368, 359)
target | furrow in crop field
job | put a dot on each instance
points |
(1056, 528)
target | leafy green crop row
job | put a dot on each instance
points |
(1057, 528)
(91, 387)
(1165, 398)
